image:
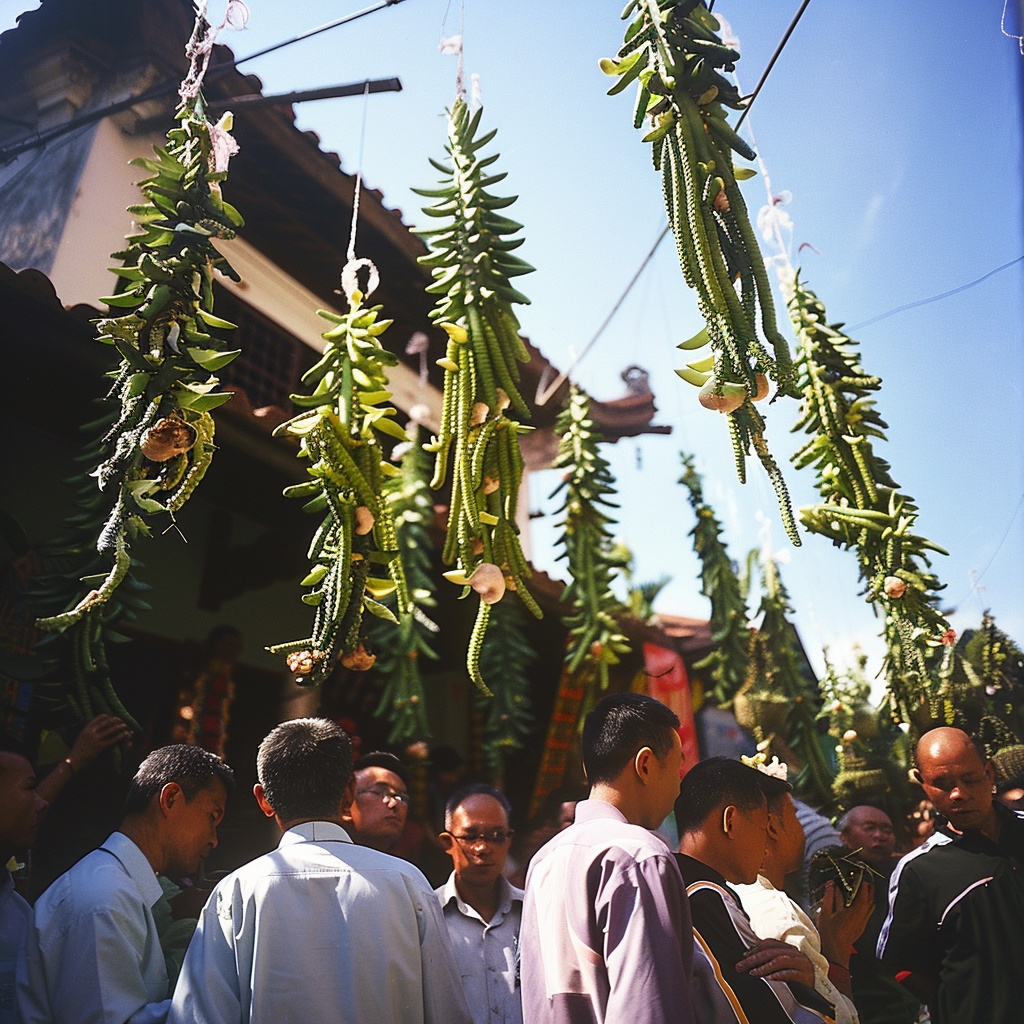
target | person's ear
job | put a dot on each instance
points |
(729, 820)
(916, 776)
(349, 795)
(990, 773)
(642, 763)
(170, 796)
(447, 842)
(261, 799)
(773, 825)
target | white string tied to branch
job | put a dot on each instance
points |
(199, 48)
(350, 273)
(453, 45)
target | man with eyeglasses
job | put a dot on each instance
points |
(481, 909)
(381, 805)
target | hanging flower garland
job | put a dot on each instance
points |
(471, 261)
(730, 630)
(157, 442)
(595, 640)
(354, 553)
(863, 509)
(673, 52)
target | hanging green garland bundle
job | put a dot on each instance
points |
(730, 630)
(595, 640)
(354, 552)
(471, 261)
(158, 444)
(507, 660)
(781, 698)
(862, 508)
(673, 52)
(401, 645)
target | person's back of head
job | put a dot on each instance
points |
(722, 817)
(632, 756)
(618, 727)
(304, 769)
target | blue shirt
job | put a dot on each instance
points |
(15, 914)
(487, 952)
(93, 953)
(321, 930)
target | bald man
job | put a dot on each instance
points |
(955, 928)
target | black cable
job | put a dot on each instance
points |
(166, 88)
(771, 63)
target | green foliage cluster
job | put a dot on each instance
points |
(595, 640)
(156, 443)
(674, 53)
(730, 629)
(507, 660)
(401, 645)
(472, 262)
(337, 430)
(863, 509)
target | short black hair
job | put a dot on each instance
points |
(618, 727)
(304, 767)
(463, 793)
(713, 783)
(190, 766)
(382, 759)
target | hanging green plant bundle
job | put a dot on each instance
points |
(778, 696)
(471, 261)
(595, 640)
(673, 52)
(507, 660)
(157, 446)
(354, 552)
(862, 508)
(401, 645)
(730, 630)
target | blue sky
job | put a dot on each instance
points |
(897, 129)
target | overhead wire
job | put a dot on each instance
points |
(935, 298)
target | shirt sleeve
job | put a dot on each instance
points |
(444, 999)
(88, 968)
(909, 939)
(645, 919)
(207, 991)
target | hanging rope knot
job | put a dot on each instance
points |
(200, 45)
(350, 280)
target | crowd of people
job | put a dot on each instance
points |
(612, 925)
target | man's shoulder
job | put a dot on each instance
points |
(342, 857)
(98, 878)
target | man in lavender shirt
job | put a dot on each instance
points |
(606, 926)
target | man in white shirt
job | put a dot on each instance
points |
(320, 929)
(93, 953)
(481, 909)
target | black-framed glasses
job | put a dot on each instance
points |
(496, 837)
(385, 793)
